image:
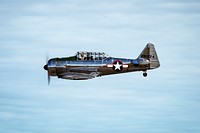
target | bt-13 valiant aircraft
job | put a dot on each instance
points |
(88, 65)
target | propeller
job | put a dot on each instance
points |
(46, 68)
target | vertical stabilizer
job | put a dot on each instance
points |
(150, 54)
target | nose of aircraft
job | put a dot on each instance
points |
(45, 67)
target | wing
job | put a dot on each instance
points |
(80, 73)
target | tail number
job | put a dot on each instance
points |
(148, 56)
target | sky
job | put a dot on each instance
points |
(166, 101)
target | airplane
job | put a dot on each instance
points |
(88, 65)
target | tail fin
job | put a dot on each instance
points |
(150, 54)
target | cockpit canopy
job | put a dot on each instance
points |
(91, 55)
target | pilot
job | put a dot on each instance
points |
(88, 56)
(91, 57)
(82, 56)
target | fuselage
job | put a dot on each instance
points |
(87, 65)
(57, 66)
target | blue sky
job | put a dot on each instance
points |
(166, 101)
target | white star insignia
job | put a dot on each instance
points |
(117, 66)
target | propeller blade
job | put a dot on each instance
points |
(46, 68)
(47, 57)
(49, 78)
